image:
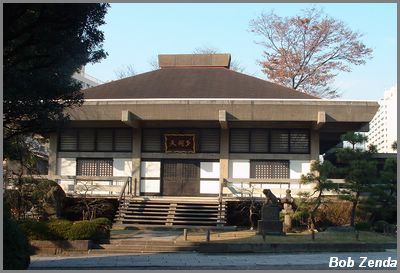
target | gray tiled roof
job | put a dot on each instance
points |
(192, 82)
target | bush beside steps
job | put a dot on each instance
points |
(60, 229)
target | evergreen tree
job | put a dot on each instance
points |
(44, 44)
(320, 172)
(359, 171)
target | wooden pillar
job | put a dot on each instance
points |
(136, 159)
(224, 158)
(314, 145)
(52, 170)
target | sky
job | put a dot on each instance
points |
(136, 33)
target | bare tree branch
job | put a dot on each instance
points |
(307, 51)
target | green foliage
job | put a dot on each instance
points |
(102, 221)
(320, 172)
(359, 171)
(83, 230)
(44, 44)
(59, 228)
(379, 226)
(36, 230)
(103, 228)
(96, 230)
(15, 244)
(363, 226)
(354, 138)
(381, 203)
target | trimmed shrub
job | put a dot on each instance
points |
(15, 243)
(102, 221)
(364, 226)
(35, 230)
(379, 226)
(103, 229)
(59, 228)
(83, 230)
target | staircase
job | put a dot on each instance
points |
(179, 211)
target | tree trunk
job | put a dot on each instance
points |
(314, 211)
(353, 210)
(251, 218)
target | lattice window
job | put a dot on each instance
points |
(270, 169)
(95, 167)
(170, 170)
(189, 170)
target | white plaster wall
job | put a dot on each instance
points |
(66, 166)
(209, 170)
(239, 168)
(150, 168)
(122, 167)
(209, 186)
(299, 167)
(147, 185)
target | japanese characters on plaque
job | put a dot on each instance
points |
(180, 143)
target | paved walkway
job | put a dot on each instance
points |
(204, 261)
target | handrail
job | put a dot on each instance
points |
(123, 189)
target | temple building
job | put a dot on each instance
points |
(194, 134)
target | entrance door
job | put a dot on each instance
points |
(181, 178)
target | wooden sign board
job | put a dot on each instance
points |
(180, 143)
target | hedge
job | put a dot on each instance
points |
(60, 229)
(83, 230)
(363, 226)
(36, 230)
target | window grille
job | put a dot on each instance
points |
(269, 169)
(94, 167)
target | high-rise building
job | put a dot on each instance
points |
(383, 127)
(86, 80)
